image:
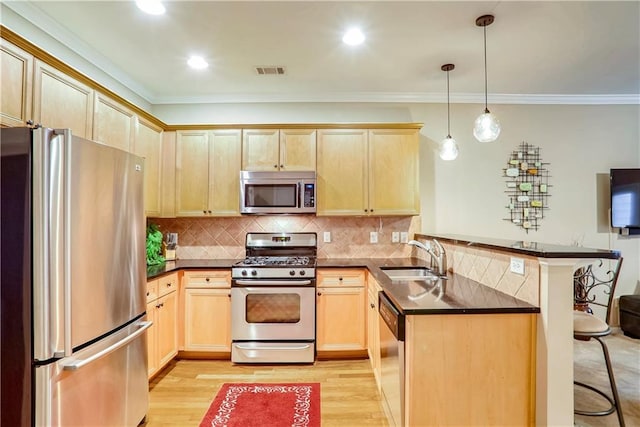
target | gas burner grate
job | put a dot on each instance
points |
(277, 260)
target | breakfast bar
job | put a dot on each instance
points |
(556, 265)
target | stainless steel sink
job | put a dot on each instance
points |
(409, 273)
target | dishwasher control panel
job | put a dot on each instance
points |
(391, 316)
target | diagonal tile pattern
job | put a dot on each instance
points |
(492, 269)
(224, 238)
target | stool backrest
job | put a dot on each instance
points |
(586, 285)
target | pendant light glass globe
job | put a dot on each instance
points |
(486, 127)
(448, 148)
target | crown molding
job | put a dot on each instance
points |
(403, 97)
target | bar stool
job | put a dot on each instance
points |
(586, 326)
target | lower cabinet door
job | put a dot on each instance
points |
(167, 314)
(207, 320)
(341, 319)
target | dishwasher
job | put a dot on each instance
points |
(391, 360)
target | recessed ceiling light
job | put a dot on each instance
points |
(353, 37)
(152, 7)
(197, 63)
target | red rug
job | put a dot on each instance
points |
(265, 405)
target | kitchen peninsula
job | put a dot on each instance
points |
(555, 265)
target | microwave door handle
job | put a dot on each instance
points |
(300, 194)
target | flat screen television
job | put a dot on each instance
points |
(625, 198)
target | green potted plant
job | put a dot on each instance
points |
(154, 245)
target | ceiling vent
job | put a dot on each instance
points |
(270, 70)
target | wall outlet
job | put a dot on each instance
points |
(404, 237)
(326, 237)
(395, 237)
(517, 265)
(373, 237)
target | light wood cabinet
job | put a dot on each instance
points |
(60, 101)
(341, 311)
(342, 178)
(16, 75)
(393, 172)
(279, 150)
(373, 327)
(113, 124)
(476, 369)
(162, 310)
(207, 173)
(368, 172)
(148, 144)
(207, 311)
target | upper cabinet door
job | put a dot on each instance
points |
(342, 172)
(192, 173)
(16, 74)
(393, 172)
(113, 124)
(224, 170)
(260, 150)
(60, 101)
(148, 144)
(297, 150)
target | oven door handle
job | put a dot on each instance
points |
(272, 282)
(284, 347)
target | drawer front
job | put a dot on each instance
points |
(338, 278)
(167, 284)
(207, 279)
(152, 290)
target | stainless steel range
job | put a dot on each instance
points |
(273, 305)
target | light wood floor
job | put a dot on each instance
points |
(182, 393)
(589, 367)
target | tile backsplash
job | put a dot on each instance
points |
(224, 238)
(492, 268)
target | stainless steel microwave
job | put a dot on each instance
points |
(277, 192)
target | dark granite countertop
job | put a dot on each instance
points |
(536, 249)
(185, 264)
(453, 295)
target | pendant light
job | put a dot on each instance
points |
(448, 146)
(486, 127)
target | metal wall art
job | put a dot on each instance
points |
(527, 187)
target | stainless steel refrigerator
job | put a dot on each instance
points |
(74, 349)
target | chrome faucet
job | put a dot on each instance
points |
(439, 255)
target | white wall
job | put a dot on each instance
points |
(581, 143)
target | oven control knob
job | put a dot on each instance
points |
(302, 272)
(254, 273)
(292, 273)
(244, 272)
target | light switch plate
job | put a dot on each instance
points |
(517, 265)
(395, 237)
(404, 237)
(373, 237)
(326, 237)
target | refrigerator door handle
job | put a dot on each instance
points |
(77, 364)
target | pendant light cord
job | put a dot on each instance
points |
(448, 113)
(486, 110)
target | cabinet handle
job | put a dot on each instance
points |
(319, 293)
(340, 278)
(147, 293)
(207, 279)
(372, 305)
(371, 210)
(281, 166)
(366, 210)
(229, 295)
(204, 212)
(169, 285)
(158, 306)
(275, 166)
(209, 211)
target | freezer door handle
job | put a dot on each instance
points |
(77, 364)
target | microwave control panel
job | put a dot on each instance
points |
(309, 199)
